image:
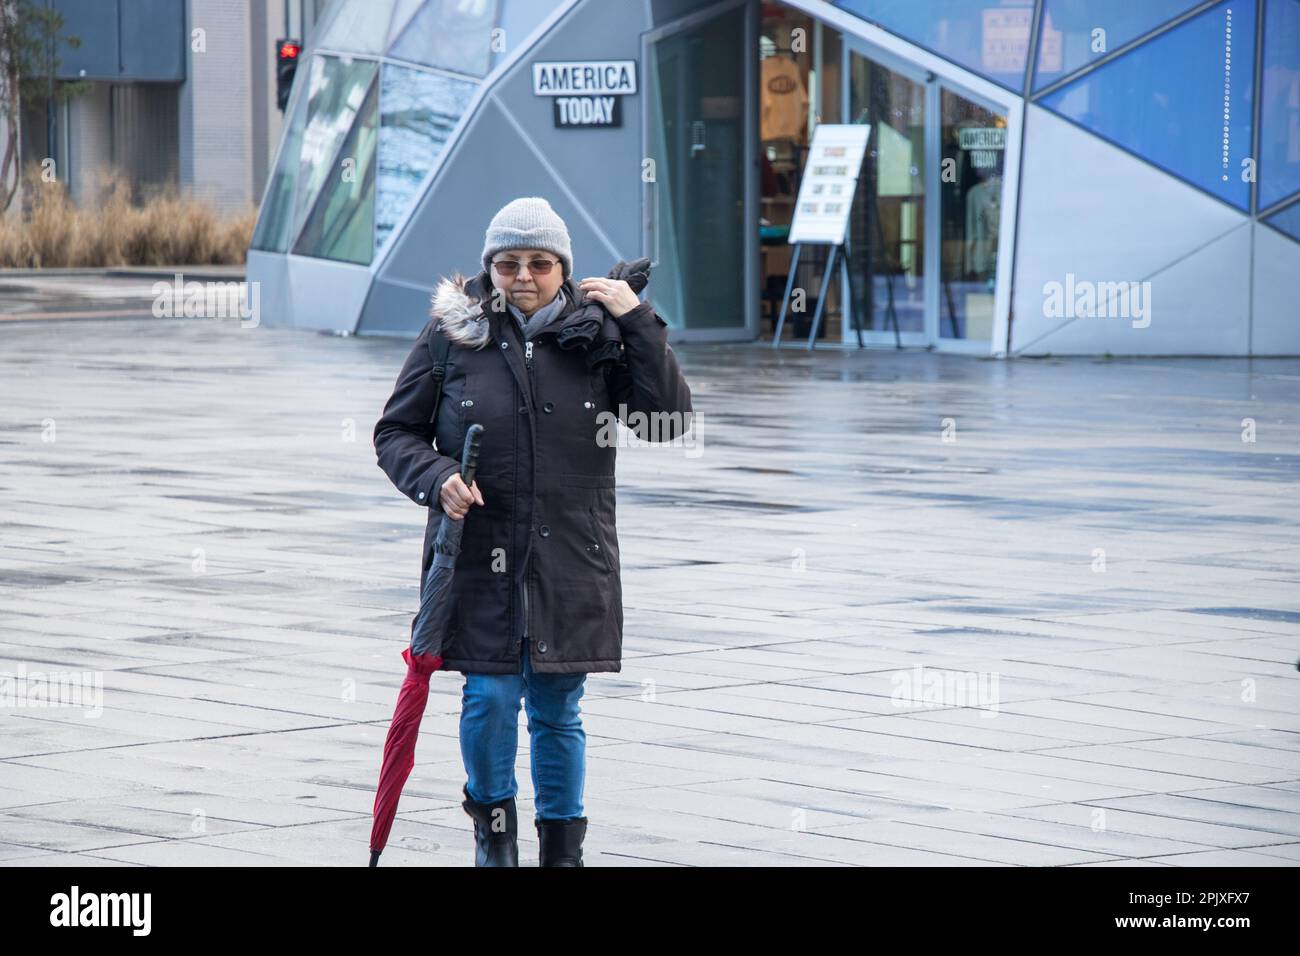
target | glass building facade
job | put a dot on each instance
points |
(384, 84)
(1018, 149)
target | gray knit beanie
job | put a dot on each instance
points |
(528, 223)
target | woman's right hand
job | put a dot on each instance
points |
(456, 498)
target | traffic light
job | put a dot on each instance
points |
(286, 63)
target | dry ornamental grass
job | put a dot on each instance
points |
(163, 229)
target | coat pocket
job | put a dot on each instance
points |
(597, 546)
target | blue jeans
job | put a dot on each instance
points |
(489, 738)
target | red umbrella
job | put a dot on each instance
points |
(399, 748)
(423, 657)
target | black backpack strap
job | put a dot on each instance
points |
(439, 349)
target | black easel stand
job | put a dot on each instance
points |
(838, 257)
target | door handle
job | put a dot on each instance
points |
(652, 222)
(698, 145)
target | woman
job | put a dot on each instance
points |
(537, 585)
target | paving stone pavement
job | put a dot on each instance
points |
(890, 609)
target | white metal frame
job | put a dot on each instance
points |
(885, 337)
(895, 53)
(749, 161)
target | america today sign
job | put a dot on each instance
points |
(585, 93)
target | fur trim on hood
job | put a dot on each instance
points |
(457, 304)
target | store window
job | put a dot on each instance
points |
(973, 159)
(886, 229)
(800, 83)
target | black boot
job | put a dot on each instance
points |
(493, 846)
(561, 841)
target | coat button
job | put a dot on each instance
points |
(523, 409)
(541, 647)
(588, 404)
(548, 408)
(468, 402)
(544, 530)
(505, 345)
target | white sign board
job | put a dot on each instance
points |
(585, 93)
(830, 176)
(585, 78)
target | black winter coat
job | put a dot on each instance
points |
(540, 557)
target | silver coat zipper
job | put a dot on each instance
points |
(528, 361)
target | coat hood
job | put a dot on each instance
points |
(462, 307)
(462, 304)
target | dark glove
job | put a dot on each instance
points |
(593, 328)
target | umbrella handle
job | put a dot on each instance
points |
(469, 455)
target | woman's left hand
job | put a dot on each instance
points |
(614, 294)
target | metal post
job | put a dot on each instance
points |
(821, 297)
(789, 284)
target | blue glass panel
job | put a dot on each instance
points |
(418, 112)
(1279, 128)
(1181, 101)
(518, 19)
(1076, 32)
(989, 37)
(358, 27)
(323, 113)
(1288, 220)
(276, 215)
(342, 222)
(402, 14)
(454, 35)
(336, 88)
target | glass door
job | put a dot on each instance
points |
(973, 142)
(924, 233)
(698, 221)
(887, 234)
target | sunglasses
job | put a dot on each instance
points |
(538, 267)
